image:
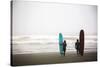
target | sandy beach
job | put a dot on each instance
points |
(51, 58)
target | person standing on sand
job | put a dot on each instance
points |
(64, 47)
(77, 46)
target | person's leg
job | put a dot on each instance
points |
(65, 52)
(77, 51)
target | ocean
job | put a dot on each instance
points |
(49, 43)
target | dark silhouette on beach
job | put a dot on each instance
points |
(81, 39)
(64, 47)
(77, 47)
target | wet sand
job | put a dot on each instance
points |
(51, 58)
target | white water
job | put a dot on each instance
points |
(41, 43)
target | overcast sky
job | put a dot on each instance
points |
(51, 18)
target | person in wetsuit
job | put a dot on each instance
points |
(77, 46)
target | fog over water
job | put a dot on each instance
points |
(36, 26)
(52, 18)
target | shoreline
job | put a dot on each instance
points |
(51, 58)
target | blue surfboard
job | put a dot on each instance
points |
(61, 43)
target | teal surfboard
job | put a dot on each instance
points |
(61, 43)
